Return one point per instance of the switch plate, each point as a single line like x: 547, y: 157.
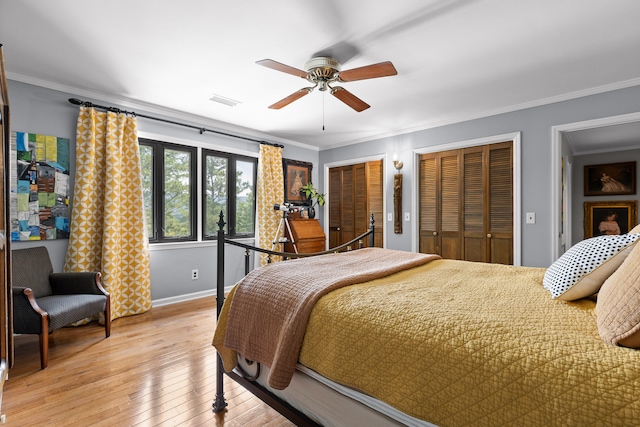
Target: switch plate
x: 407, y: 217
x: 389, y: 216
x: 531, y: 217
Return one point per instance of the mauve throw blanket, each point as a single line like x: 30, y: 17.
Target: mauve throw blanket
x: 270, y: 308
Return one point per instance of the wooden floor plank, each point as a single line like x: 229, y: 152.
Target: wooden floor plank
x: 156, y: 369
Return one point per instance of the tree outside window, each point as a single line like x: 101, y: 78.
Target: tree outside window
x: 234, y: 197
x: 169, y: 190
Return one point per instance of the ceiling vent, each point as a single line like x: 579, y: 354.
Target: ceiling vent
x: 223, y: 100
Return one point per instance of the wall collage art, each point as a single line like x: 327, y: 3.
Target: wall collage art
x: 39, y: 187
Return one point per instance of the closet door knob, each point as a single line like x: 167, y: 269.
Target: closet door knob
x: 435, y: 233
x: 489, y: 235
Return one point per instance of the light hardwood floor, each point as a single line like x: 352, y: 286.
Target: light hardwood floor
x: 156, y: 369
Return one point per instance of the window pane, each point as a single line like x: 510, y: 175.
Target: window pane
x: 146, y: 161
x: 245, y: 197
x: 177, y: 193
x: 215, y: 193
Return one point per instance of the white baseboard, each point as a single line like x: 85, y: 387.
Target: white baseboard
x: 185, y: 297
x: 182, y: 298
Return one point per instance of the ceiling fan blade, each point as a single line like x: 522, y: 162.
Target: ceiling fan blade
x: 381, y: 69
x: 275, y: 65
x: 289, y: 99
x: 348, y: 98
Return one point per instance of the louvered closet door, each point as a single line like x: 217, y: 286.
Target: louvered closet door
x: 450, y: 205
x: 335, y: 206
x: 375, y: 207
x: 335, y: 177
x: 488, y: 203
x: 361, y: 200
x: 440, y: 204
x: 475, y: 245
x: 355, y: 192
x: 342, y: 204
x: 429, y: 240
x: 500, y: 227
x: 466, y: 206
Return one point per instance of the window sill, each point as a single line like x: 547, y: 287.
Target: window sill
x: 193, y: 244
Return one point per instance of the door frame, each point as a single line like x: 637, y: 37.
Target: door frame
x: 350, y: 162
x: 516, y: 139
x: 558, y: 146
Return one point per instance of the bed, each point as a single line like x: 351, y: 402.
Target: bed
x: 411, y: 339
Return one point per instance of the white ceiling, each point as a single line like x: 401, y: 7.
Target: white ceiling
x: 456, y: 59
x: 619, y: 137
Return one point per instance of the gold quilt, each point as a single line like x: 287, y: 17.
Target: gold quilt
x: 459, y: 343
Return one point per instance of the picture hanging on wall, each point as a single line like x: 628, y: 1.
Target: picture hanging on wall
x: 607, y: 218
x: 610, y: 179
x: 296, y: 174
x: 39, y: 187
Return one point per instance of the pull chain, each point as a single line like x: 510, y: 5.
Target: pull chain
x: 323, y: 110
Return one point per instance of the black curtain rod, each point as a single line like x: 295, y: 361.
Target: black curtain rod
x: 202, y: 130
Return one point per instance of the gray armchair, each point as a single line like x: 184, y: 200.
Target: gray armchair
x: 44, y: 301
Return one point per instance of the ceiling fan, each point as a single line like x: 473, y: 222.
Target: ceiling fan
x: 323, y: 71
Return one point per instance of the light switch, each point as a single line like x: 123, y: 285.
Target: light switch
x: 389, y: 216
x: 531, y: 217
x: 406, y: 216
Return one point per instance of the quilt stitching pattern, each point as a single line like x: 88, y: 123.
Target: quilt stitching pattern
x: 487, y: 349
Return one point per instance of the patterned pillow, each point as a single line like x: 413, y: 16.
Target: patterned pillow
x: 582, y: 270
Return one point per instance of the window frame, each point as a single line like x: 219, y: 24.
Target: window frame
x: 158, y: 189
x: 230, y: 214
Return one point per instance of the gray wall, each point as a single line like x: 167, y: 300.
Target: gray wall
x: 40, y: 110
x: 535, y: 126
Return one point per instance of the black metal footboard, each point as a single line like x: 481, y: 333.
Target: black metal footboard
x: 284, y: 408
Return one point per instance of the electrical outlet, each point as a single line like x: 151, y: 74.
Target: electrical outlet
x: 531, y: 217
x: 194, y: 274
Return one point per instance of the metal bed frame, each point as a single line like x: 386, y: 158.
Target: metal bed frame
x: 248, y: 381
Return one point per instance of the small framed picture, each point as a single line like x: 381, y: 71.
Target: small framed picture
x: 610, y: 179
x: 296, y: 174
x: 604, y: 218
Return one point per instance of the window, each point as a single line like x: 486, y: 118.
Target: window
x: 169, y: 189
x: 229, y: 183
x: 170, y: 192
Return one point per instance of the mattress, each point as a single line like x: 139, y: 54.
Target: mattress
x: 333, y: 405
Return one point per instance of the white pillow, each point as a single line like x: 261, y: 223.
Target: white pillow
x: 582, y: 270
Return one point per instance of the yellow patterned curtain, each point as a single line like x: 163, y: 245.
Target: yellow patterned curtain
x: 107, y: 231
x: 270, y: 192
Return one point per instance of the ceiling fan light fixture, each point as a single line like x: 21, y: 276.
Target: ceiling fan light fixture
x: 322, y: 62
x: 322, y: 68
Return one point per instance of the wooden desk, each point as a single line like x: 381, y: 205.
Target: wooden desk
x: 307, y: 236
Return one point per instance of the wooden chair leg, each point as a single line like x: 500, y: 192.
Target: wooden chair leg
x: 44, y: 349
x: 107, y: 317
x: 44, y: 342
